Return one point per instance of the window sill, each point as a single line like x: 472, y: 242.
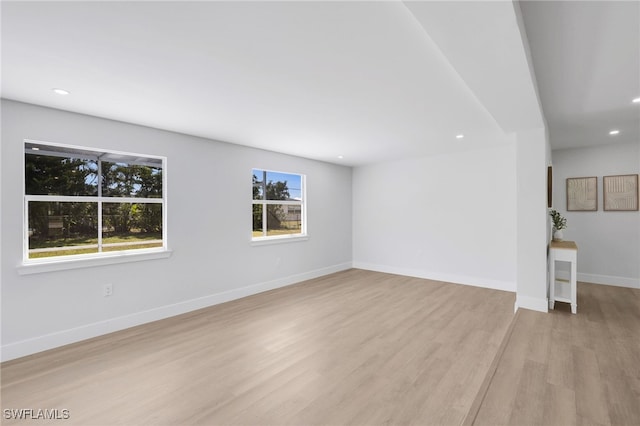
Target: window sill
x: 265, y: 241
x: 49, y: 265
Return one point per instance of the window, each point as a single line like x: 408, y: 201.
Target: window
x: 82, y: 202
x: 278, y: 205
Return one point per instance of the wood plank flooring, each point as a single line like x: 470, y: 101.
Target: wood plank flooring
x: 356, y: 347
x: 564, y: 369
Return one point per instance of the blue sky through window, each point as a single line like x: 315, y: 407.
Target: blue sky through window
x: 294, y: 182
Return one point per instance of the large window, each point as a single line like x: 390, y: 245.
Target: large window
x: 278, y: 205
x: 82, y: 202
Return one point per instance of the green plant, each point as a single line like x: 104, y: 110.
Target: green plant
x: 559, y: 222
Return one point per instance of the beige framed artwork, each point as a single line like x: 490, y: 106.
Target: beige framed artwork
x: 582, y: 194
x: 620, y: 192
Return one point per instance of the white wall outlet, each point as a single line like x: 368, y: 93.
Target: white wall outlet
x: 107, y: 290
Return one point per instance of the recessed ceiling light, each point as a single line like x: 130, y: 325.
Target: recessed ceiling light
x: 636, y: 101
x: 460, y: 136
x: 341, y: 156
x: 35, y: 148
x: 60, y: 91
x: 614, y: 132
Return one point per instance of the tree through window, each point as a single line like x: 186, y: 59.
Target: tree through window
x: 278, y: 204
x: 80, y: 201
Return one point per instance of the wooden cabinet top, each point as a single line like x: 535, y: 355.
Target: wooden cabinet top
x: 567, y: 245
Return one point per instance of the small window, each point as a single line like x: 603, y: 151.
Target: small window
x: 83, y: 202
x: 278, y: 205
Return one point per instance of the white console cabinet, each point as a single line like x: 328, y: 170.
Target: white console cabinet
x: 562, y: 290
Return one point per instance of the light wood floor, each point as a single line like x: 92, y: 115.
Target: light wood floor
x: 355, y: 347
x: 564, y: 369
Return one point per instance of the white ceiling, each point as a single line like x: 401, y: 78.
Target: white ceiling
x: 317, y: 79
x: 370, y: 81
x: 586, y: 56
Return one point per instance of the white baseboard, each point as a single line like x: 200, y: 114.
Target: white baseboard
x: 437, y: 276
x: 603, y: 279
x: 531, y: 303
x: 64, y: 337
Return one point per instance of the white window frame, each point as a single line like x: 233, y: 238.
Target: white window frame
x: 270, y: 239
x: 91, y: 259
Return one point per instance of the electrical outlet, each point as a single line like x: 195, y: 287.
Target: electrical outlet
x: 107, y: 290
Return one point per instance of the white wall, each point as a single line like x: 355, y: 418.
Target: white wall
x: 448, y: 217
x: 209, y: 229
x: 608, y: 242
x: 532, y: 156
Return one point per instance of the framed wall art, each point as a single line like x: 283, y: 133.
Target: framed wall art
x: 620, y: 192
x: 582, y: 194
x: 549, y: 187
